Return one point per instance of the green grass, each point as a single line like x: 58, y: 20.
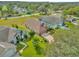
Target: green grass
x: 17, y: 21
x: 30, y: 50
x: 66, y: 42
x: 19, y: 47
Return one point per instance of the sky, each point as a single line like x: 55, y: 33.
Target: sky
x: 45, y: 0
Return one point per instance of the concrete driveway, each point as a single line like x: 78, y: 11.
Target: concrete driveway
x: 48, y: 37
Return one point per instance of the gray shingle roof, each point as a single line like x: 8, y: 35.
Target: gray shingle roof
x: 5, y: 33
x: 52, y: 19
x: 4, y: 46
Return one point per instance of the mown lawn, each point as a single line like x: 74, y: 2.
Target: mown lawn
x: 18, y: 21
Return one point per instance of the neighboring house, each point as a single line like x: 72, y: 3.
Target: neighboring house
x: 7, y: 49
x: 72, y: 20
x: 9, y: 34
x: 52, y: 21
x: 7, y: 41
x: 20, y: 10
x: 36, y: 26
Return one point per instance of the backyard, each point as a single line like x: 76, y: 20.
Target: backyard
x: 66, y: 41
x: 30, y: 50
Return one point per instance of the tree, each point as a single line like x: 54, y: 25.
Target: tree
x: 10, y: 10
x: 72, y: 11
x: 43, y: 10
x: 31, y: 33
x: 0, y: 11
x: 4, y: 11
x: 36, y: 45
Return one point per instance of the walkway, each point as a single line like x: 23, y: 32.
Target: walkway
x: 22, y: 43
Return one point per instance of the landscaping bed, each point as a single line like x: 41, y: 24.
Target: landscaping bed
x: 31, y: 51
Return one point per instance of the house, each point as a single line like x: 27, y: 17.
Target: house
x: 19, y: 10
x: 7, y: 49
x: 72, y: 20
x: 52, y: 21
x: 36, y: 26
x: 8, y: 41
x: 9, y: 34
x: 39, y: 28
